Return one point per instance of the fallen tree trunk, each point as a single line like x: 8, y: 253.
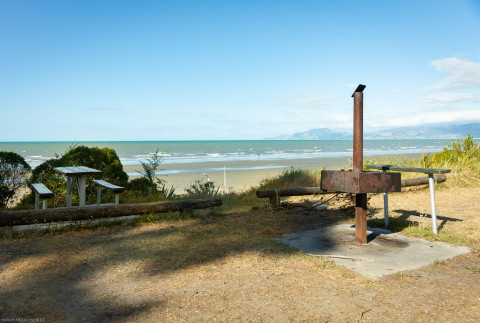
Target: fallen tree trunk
x: 299, y: 191
x: 296, y: 191
x: 423, y: 180
x: 9, y: 218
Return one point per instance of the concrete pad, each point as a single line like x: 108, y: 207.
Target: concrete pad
x: 385, y: 253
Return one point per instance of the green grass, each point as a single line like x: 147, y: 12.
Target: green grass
x: 293, y: 177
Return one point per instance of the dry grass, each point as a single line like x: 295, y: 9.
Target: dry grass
x: 227, y: 264
x: 231, y: 267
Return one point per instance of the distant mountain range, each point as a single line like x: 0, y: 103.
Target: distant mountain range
x: 421, y: 132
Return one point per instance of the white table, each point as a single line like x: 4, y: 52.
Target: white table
x: 79, y: 174
x: 431, y: 184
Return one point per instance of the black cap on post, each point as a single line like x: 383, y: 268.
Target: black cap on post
x: 360, y: 88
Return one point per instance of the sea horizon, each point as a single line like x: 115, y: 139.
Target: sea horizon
x: 224, y: 151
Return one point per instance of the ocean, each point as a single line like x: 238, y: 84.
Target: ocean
x: 192, y: 152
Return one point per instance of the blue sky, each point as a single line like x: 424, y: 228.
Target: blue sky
x: 221, y: 70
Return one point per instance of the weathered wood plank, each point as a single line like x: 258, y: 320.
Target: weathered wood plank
x: 10, y: 218
x: 423, y: 180
x: 77, y: 170
x: 110, y: 186
x: 42, y: 190
x: 296, y: 191
x: 299, y: 191
x: 409, y: 169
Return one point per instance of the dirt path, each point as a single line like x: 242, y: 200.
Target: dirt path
x: 230, y: 269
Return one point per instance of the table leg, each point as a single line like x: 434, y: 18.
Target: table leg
x: 99, y: 195
x: 431, y: 185
x: 385, y: 208
x: 81, y: 190
x: 70, y: 181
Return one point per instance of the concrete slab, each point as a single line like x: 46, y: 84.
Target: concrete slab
x: 386, y: 252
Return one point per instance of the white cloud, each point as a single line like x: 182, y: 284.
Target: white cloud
x: 397, y: 90
x: 423, y: 118
x: 313, y: 101
x: 464, y: 74
x: 449, y: 98
x: 351, y: 85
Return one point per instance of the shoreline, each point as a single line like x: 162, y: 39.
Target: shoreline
x: 242, y: 175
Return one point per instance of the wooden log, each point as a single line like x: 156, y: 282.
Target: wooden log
x: 423, y: 180
x: 299, y: 191
x: 409, y: 169
x: 296, y: 191
x: 9, y: 218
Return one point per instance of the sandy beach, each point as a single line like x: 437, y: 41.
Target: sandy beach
x: 239, y: 175
x: 242, y: 175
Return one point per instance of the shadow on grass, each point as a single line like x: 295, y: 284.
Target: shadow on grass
x: 401, y: 222
x: 62, y: 270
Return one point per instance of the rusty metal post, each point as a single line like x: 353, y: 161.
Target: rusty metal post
x: 360, y: 199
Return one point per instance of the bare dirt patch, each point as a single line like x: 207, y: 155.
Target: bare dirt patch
x: 231, y: 268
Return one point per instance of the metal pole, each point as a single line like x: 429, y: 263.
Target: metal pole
x: 385, y: 209
x: 357, y: 131
x: 360, y: 199
x: 431, y: 185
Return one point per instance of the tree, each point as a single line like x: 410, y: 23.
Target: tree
x: 103, y: 159
x: 13, y: 172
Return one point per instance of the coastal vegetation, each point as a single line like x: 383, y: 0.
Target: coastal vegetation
x: 223, y: 256
x: 13, y: 168
x: 462, y: 156
x: 104, y: 159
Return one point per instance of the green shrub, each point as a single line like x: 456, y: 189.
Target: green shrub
x: 13, y: 171
x: 150, y: 183
x: 103, y: 159
x: 293, y: 177
x: 201, y: 188
x: 462, y: 156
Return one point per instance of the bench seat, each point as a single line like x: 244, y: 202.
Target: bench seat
x: 114, y: 188
x: 41, y: 192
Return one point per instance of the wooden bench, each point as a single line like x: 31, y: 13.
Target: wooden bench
x: 431, y: 183
x: 41, y: 192
x: 114, y: 188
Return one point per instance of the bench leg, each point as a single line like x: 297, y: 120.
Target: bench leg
x: 431, y: 185
x: 45, y: 203
x: 385, y: 208
x: 99, y: 195
x: 117, y: 198
x: 37, y: 198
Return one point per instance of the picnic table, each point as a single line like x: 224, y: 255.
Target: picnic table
x: 431, y: 184
x: 76, y: 174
